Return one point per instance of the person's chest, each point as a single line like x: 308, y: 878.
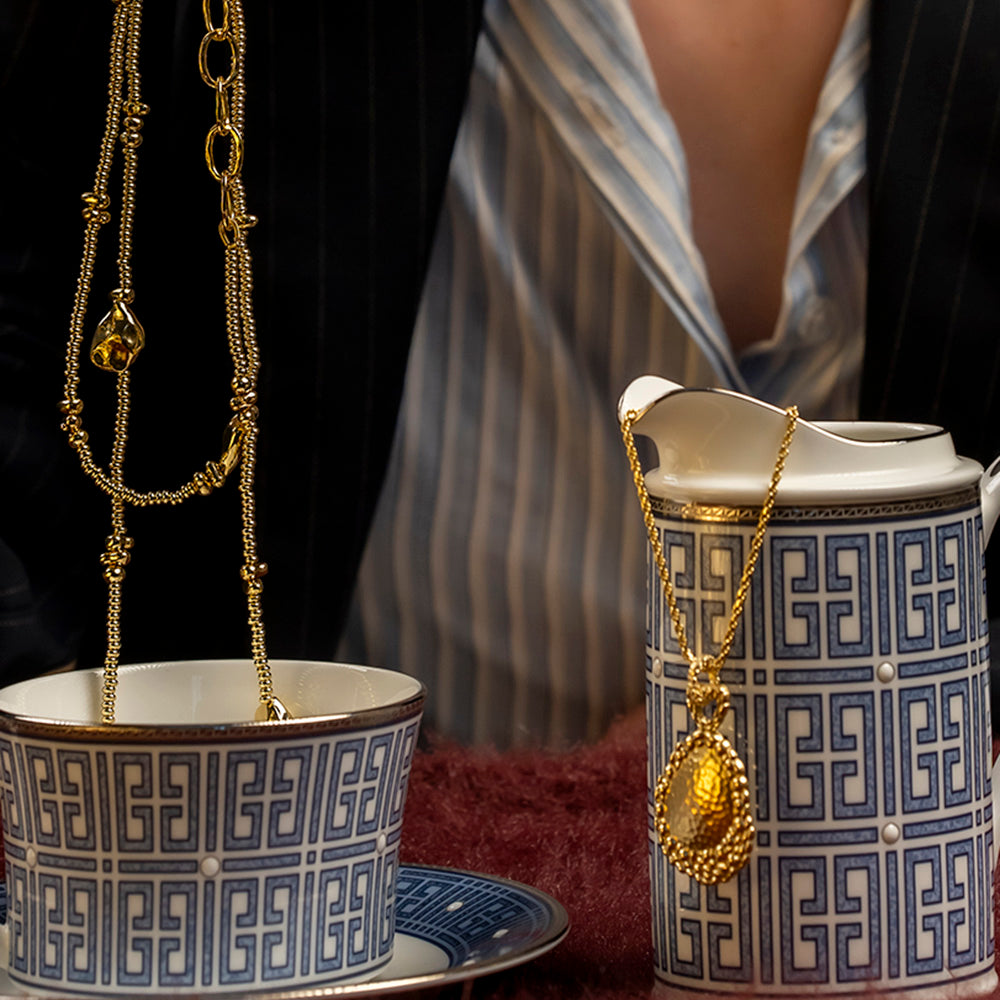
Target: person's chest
x: 741, y: 79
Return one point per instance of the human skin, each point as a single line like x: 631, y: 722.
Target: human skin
x: 741, y: 80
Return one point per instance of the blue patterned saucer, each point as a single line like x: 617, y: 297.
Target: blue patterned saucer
x: 451, y: 925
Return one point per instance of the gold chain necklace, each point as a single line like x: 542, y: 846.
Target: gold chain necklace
x: 120, y: 336
x: 702, y: 798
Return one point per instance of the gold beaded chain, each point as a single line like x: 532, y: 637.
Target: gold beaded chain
x: 120, y: 336
x: 702, y: 815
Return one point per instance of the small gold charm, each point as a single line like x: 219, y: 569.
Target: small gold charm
x: 703, y: 819
x: 232, y: 447
x: 272, y: 711
x: 118, y: 339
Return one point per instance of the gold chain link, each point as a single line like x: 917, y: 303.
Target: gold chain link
x: 792, y: 416
x: 120, y: 337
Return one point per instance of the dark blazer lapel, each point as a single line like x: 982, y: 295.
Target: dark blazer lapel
x: 933, y: 351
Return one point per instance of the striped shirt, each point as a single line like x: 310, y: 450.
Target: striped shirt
x: 506, y: 564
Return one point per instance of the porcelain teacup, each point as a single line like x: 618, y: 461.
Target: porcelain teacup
x: 187, y: 850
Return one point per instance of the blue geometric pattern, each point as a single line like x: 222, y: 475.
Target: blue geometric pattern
x: 205, y: 867
x: 861, y: 707
x: 465, y: 914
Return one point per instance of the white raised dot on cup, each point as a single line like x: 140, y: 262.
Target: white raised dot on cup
x: 210, y: 867
x: 886, y: 672
x: 31, y: 857
x: 657, y: 668
x: 500, y: 933
x: 380, y: 843
x: 452, y: 907
x: 890, y: 833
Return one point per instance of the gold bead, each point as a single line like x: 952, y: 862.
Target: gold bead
x: 92, y: 213
x: 118, y: 340
x: 243, y: 399
x: 253, y: 572
x: 251, y: 576
x: 93, y: 200
x: 117, y: 555
x: 214, y: 475
x: 78, y: 438
x: 131, y: 140
x: 95, y: 206
x: 71, y: 406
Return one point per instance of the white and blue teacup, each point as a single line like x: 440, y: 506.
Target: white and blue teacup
x: 186, y: 850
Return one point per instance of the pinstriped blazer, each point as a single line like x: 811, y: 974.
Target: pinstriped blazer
x: 933, y: 324
x: 349, y: 134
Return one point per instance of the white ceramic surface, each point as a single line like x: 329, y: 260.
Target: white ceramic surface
x: 208, y: 692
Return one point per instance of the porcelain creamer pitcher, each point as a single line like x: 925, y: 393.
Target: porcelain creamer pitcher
x: 859, y: 692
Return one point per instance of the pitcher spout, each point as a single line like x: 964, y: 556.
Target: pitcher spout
x: 643, y: 392
x: 989, y: 492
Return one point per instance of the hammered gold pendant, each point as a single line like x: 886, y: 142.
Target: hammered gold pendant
x: 703, y: 815
x: 118, y: 339
x: 702, y: 798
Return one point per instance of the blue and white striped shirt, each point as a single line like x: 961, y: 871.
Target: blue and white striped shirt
x: 506, y: 565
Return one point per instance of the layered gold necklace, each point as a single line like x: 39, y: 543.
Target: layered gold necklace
x: 120, y: 337
x: 702, y: 800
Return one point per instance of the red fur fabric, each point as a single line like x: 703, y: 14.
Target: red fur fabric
x: 572, y: 824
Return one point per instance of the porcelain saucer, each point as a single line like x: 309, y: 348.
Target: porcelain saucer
x: 451, y: 925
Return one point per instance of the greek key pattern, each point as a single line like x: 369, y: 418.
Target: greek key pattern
x: 465, y: 915
x: 203, y: 867
x: 832, y: 596
x: 860, y: 694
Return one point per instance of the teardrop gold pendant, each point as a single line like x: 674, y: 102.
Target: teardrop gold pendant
x: 702, y: 798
